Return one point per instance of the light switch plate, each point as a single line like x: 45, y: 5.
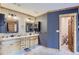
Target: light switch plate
x: 57, y: 31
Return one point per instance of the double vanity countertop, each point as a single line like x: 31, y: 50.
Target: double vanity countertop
x: 18, y: 37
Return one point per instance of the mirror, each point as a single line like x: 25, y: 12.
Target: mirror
x: 12, y: 26
x: 29, y: 27
x: 35, y: 28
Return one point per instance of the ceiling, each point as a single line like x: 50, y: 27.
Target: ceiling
x: 36, y: 9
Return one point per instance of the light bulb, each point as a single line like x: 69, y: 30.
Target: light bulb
x: 15, y: 18
x: 9, y: 16
x: 28, y: 20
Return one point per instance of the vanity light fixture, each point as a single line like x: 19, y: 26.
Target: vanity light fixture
x: 29, y: 20
x: 9, y: 16
x: 13, y: 16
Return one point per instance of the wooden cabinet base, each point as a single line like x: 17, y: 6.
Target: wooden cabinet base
x: 12, y: 46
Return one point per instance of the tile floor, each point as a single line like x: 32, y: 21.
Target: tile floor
x: 41, y: 50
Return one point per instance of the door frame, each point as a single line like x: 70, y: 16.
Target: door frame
x: 75, y: 38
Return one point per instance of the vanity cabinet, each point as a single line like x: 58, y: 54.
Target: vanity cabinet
x: 25, y: 43
x: 33, y: 41
x: 10, y: 47
x: 29, y: 42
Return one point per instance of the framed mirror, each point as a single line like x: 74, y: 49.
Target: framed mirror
x: 29, y: 27
x: 12, y: 26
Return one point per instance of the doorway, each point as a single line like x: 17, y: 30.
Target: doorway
x: 67, y: 34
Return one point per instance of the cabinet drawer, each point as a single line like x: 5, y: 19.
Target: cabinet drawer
x: 8, y: 42
x: 10, y: 47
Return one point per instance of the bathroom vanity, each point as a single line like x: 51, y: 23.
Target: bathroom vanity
x: 12, y: 22
x: 11, y: 45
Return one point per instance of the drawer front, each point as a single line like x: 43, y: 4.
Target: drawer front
x: 11, y: 46
x: 9, y: 42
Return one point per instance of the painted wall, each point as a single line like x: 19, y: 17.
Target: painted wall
x: 21, y: 20
x: 43, y: 34
x: 78, y: 31
x: 43, y: 20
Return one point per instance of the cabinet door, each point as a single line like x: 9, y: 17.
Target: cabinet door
x: 27, y: 42
x: 33, y: 41
x: 23, y: 42
x: 36, y: 40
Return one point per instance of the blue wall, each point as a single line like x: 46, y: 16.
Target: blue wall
x: 2, y: 23
x: 53, y: 25
x: 78, y: 32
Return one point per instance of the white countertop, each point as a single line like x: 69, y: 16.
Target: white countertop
x: 17, y: 37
